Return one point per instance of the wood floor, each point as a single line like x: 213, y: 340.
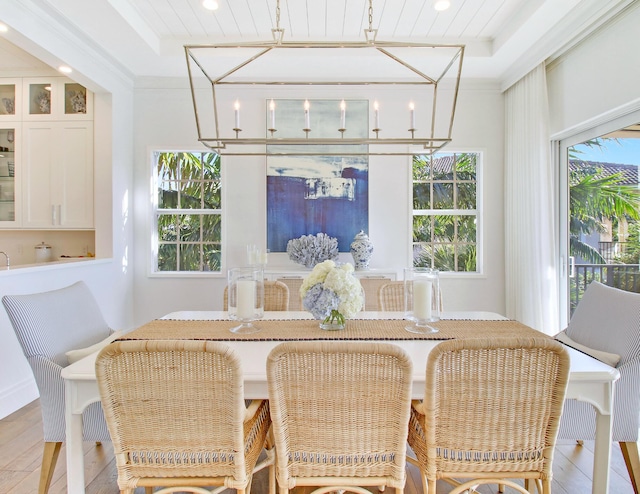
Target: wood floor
x: 21, y: 452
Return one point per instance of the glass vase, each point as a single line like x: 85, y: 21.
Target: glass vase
x: 246, y: 298
x: 333, y: 322
x: 421, y: 299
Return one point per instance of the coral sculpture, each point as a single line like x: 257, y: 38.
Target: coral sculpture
x: 309, y: 250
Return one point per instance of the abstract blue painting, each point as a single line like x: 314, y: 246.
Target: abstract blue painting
x: 322, y: 190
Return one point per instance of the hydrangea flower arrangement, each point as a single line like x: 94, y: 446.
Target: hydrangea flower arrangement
x: 332, y: 292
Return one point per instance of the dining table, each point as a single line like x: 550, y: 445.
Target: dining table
x: 590, y: 380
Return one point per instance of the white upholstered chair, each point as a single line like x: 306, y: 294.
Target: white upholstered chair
x: 607, y: 320
x: 48, y: 325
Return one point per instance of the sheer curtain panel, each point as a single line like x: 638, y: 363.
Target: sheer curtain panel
x: 530, y: 230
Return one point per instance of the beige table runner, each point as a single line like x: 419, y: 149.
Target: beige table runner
x: 299, y: 329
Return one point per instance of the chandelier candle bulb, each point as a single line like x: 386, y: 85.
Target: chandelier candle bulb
x: 343, y: 117
x: 376, y: 117
x: 422, y: 294
x: 246, y: 292
x: 307, y: 124
x: 237, y: 112
x: 272, y: 114
x: 412, y: 116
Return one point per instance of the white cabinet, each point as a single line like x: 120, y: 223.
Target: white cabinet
x: 371, y: 280
x: 57, y: 175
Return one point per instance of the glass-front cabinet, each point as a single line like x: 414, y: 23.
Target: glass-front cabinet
x: 8, y: 142
x: 10, y: 101
x: 56, y: 98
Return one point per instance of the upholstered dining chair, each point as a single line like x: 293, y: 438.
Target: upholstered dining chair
x: 276, y: 296
x: 340, y: 414
x: 391, y: 296
x: 49, y: 325
x: 490, y: 413
x: 606, y: 325
x: 176, y: 413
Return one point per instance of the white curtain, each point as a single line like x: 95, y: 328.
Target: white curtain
x: 530, y: 230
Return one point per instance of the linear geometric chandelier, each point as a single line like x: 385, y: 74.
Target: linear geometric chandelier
x: 413, y: 83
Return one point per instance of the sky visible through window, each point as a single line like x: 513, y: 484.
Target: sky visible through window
x: 619, y: 151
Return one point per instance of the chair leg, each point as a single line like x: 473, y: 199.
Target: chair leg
x: 632, y: 460
x: 49, y: 459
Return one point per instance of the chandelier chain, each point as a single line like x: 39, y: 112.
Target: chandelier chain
x: 370, y: 15
x: 278, y: 15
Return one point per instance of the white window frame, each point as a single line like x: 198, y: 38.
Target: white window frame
x: 153, y: 272
x: 477, y: 212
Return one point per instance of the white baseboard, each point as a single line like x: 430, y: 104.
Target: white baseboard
x: 17, y: 396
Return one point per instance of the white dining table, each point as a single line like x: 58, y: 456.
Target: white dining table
x: 590, y: 381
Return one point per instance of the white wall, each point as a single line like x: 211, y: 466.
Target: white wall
x: 164, y: 118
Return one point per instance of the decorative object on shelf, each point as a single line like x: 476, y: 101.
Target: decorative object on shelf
x: 78, y: 100
x: 361, y: 250
x: 310, y: 250
x: 43, y: 100
x: 12, y: 168
x: 246, y: 298
x: 332, y: 294
x: 11, y: 135
x: 421, y: 299
x: 9, y: 106
x: 420, y: 67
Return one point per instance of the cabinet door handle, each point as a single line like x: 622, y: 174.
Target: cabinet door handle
x: 59, y: 214
x: 53, y: 214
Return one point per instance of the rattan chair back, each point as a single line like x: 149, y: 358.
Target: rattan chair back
x: 491, y: 410
x: 340, y: 414
x: 176, y: 413
x: 276, y: 296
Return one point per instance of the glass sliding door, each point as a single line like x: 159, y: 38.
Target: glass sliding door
x: 600, y: 211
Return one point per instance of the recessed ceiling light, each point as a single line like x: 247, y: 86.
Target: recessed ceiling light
x: 65, y: 70
x: 441, y: 5
x: 210, y: 4
x: 3, y: 28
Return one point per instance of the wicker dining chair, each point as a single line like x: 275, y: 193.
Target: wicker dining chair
x: 340, y: 414
x: 391, y: 297
x: 176, y: 413
x: 491, y: 412
x: 276, y: 296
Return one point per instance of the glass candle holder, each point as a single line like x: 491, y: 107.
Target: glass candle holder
x: 246, y: 298
x: 421, y: 299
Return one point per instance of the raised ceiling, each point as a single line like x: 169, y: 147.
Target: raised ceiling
x: 503, y: 38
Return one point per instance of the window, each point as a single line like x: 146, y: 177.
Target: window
x: 445, y: 213
x: 187, y: 213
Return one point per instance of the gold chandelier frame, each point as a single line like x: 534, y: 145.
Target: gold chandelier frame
x: 234, y: 145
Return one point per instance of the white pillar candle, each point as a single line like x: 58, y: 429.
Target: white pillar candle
x: 376, y: 120
x: 412, y: 116
x: 422, y: 293
x: 237, y: 108
x: 246, y: 298
x: 306, y: 115
x: 343, y: 117
x: 272, y: 115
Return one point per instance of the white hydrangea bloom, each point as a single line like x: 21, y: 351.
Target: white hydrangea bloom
x: 338, y: 280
